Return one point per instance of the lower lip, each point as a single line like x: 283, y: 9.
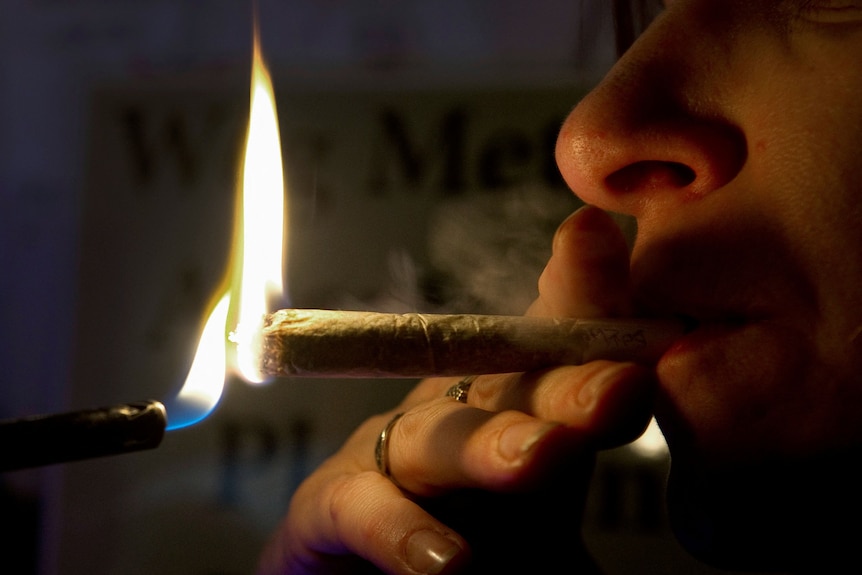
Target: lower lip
x: 694, y: 375
x: 724, y: 355
x: 719, y: 383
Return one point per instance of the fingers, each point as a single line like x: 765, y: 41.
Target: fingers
x: 445, y: 445
x: 608, y: 403
x: 502, y: 437
x: 336, y: 516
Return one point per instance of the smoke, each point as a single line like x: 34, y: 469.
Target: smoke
x: 488, y: 249
x: 485, y: 252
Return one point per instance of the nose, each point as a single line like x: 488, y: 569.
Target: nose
x: 657, y: 130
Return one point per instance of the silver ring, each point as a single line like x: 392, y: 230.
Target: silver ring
x: 381, y: 448
x: 460, y: 389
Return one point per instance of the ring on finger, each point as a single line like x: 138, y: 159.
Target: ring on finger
x: 381, y: 448
x: 459, y: 390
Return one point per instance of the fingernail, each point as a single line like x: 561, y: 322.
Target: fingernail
x: 592, y: 227
x: 429, y: 552
x: 563, y: 228
x: 518, y: 439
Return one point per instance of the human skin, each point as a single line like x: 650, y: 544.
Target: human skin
x: 480, y: 482
x: 731, y: 130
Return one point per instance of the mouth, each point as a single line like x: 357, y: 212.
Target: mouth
x: 693, y: 323
x: 703, y: 330
x: 716, y: 284
x: 700, y: 316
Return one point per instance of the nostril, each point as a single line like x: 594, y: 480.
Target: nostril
x: 650, y: 175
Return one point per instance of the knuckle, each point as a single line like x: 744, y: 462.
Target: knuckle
x: 344, y: 492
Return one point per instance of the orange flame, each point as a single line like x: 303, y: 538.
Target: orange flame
x: 256, y: 265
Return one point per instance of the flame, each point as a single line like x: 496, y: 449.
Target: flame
x: 204, y: 383
x: 230, y: 340
x: 258, y: 277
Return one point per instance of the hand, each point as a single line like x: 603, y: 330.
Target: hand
x: 496, y: 484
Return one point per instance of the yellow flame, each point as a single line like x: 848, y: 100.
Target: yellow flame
x: 256, y: 264
x: 258, y: 277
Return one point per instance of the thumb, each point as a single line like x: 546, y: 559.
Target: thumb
x: 588, y: 272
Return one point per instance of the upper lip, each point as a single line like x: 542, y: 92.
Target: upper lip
x: 690, y: 304
x: 720, y: 267
x: 706, y: 295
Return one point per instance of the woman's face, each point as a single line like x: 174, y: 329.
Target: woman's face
x: 732, y: 131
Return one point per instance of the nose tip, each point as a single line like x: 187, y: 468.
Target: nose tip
x: 617, y: 157
x: 663, y: 126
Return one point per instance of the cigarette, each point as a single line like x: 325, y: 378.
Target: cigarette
x: 58, y: 438
x: 355, y: 344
